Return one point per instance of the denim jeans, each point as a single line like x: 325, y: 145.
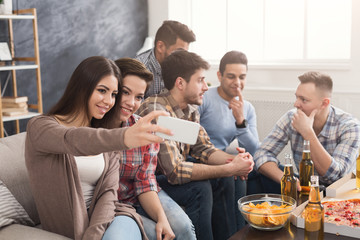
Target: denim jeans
x: 224, y: 217
x: 209, y: 204
x: 178, y: 220
x: 240, y: 191
x: 123, y: 227
x: 254, y: 183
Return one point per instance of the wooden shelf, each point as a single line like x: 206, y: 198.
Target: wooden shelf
x: 32, y: 62
x: 18, y: 67
x: 14, y: 16
x: 25, y: 116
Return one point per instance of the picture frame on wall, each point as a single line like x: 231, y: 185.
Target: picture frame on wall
x: 5, y: 7
x: 5, y: 54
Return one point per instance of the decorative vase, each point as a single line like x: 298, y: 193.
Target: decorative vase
x: 6, y: 7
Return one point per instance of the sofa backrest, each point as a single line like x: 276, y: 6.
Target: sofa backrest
x: 14, y: 174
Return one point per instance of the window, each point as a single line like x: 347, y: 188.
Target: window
x: 269, y: 31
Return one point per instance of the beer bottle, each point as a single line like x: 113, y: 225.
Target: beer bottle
x: 288, y: 180
x: 306, y: 169
x: 314, y: 213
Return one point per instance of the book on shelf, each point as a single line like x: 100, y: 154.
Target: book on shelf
x: 14, y: 99
x: 14, y: 105
x: 10, y: 114
x: 15, y: 109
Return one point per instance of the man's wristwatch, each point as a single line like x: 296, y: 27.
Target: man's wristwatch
x: 242, y: 125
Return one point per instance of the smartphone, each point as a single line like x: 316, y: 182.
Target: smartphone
x: 184, y: 131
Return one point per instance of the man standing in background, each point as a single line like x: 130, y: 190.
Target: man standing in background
x: 170, y: 36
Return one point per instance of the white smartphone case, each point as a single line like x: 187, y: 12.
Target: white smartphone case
x: 184, y: 131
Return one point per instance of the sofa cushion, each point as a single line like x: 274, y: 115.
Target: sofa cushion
x: 14, y: 174
x: 16, y: 231
x: 11, y: 211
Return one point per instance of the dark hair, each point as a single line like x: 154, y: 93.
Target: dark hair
x: 183, y: 64
x: 169, y: 31
x: 231, y: 58
x: 130, y: 66
x: 81, y: 86
x: 322, y: 81
x: 127, y: 66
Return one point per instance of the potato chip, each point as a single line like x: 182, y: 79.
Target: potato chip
x: 256, y: 219
x: 263, y: 214
x: 251, y: 205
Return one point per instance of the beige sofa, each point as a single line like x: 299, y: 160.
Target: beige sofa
x: 14, y: 175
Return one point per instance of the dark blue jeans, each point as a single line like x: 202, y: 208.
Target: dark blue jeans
x: 240, y: 191
x: 225, y: 219
x: 254, y: 183
x: 209, y: 204
x: 271, y: 186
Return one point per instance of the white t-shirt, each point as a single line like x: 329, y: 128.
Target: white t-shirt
x: 90, y: 169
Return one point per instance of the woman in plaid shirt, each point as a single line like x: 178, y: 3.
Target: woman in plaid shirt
x: 163, y: 218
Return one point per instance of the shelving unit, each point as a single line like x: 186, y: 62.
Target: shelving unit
x: 31, y: 63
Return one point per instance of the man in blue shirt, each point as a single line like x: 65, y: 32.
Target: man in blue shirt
x: 227, y: 116
x: 170, y: 36
x: 333, y: 134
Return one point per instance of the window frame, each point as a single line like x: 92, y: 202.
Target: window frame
x: 321, y: 64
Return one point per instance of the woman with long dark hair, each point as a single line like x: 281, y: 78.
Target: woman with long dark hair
x: 73, y: 169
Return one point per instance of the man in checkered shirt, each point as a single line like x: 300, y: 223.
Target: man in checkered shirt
x: 333, y: 135
x: 170, y: 36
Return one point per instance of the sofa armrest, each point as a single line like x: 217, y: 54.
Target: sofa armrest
x: 17, y: 231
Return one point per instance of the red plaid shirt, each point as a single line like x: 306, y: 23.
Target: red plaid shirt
x: 137, y: 170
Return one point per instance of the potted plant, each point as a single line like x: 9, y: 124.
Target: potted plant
x: 5, y: 6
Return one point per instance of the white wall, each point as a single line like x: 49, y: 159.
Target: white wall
x: 270, y: 79
x: 158, y: 12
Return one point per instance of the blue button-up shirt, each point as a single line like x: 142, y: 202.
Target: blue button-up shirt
x: 339, y: 137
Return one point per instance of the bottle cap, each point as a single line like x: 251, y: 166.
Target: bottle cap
x: 306, y: 145
x: 314, y: 180
x: 288, y: 159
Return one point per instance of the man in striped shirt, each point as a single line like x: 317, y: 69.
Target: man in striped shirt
x: 333, y: 134
x: 209, y: 204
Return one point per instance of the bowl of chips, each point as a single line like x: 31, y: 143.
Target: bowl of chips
x: 266, y: 211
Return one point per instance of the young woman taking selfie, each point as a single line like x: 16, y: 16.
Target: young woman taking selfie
x: 73, y: 171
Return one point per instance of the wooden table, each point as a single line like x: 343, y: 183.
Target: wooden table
x: 288, y: 232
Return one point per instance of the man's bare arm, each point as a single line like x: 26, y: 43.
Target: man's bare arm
x: 272, y: 171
